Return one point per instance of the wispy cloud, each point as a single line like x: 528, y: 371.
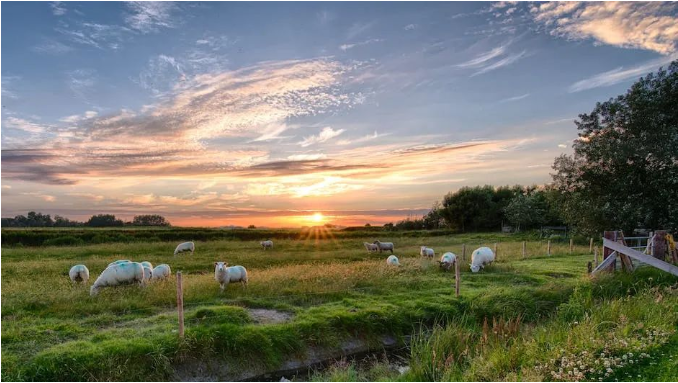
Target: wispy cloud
x: 493, y: 59
x: 483, y: 58
x: 52, y: 47
x: 325, y: 135
x: 58, y: 8
x: 161, y: 74
x: 80, y: 81
x: 345, y: 47
x: 515, y: 98
x: 510, y: 59
x: 150, y: 16
x: 620, y: 74
x: 643, y: 25
x: 358, y: 29
x: 410, y: 27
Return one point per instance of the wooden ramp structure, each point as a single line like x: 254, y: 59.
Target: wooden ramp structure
x: 617, y: 248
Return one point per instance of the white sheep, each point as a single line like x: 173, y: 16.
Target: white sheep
x: 427, y: 252
x: 447, y: 261
x: 119, y: 274
x: 147, y: 264
x: 392, y: 260
x: 225, y: 275
x: 118, y: 262
x: 480, y: 258
x: 161, y: 272
x: 79, y: 273
x: 384, y: 246
x: 186, y: 246
x: 267, y: 244
x: 370, y: 247
x: 148, y: 273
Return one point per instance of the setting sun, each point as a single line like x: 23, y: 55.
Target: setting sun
x: 317, y: 217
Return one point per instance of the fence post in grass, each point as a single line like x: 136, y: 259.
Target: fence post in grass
x: 463, y: 252
x: 457, y: 278
x: 180, y: 304
x: 495, y: 251
x: 591, y: 246
x: 571, y: 245
x: 595, y: 255
x: 548, y: 248
x: 524, y: 252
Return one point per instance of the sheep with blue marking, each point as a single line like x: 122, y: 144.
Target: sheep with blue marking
x: 480, y: 258
x: 119, y: 274
x: 447, y: 261
x: 392, y: 260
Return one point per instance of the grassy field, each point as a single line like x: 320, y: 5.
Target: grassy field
x: 331, y: 290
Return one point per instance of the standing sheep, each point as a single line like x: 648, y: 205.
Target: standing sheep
x: 225, y: 275
x: 186, y: 246
x: 447, y: 261
x: 119, y: 274
x: 370, y: 247
x: 392, y: 260
x: 480, y: 258
x: 161, y: 272
x: 427, y: 252
x: 384, y: 246
x: 79, y: 273
x: 267, y: 244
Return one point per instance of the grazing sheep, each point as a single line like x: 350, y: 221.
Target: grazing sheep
x: 267, y: 244
x: 384, y: 246
x: 186, y: 246
x: 79, y: 273
x: 148, y: 273
x: 370, y: 247
x: 392, y: 260
x: 147, y: 264
x: 161, y: 272
x: 427, y: 252
x: 447, y: 261
x: 225, y: 275
x: 118, y: 262
x: 119, y: 274
x: 480, y: 258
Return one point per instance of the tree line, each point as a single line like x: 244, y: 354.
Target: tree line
x: 33, y: 219
x: 623, y: 173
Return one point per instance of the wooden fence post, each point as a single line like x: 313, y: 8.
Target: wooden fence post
x: 524, y: 252
x: 180, y: 304
x: 591, y: 246
x: 457, y: 278
x: 571, y: 245
x: 595, y: 255
x: 548, y: 248
x: 463, y: 252
x: 495, y: 251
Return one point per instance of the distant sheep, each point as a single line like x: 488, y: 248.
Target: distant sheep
x: 225, y: 275
x: 161, y: 272
x: 267, y: 244
x: 392, y: 260
x: 427, y: 252
x: 119, y: 274
x: 370, y: 247
x: 384, y: 246
x: 186, y: 246
x: 148, y: 273
x: 447, y: 261
x: 79, y: 273
x: 480, y: 258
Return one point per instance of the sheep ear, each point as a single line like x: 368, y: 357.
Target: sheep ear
x: 225, y: 264
x: 215, y: 263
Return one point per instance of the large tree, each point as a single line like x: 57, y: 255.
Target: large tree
x: 150, y: 220
x: 624, y: 170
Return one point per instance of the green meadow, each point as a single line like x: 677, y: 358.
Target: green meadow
x: 512, y: 321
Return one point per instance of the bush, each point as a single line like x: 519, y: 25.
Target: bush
x: 67, y: 240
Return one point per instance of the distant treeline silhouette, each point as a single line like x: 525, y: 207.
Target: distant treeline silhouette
x: 33, y: 219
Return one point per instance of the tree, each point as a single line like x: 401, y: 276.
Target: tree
x: 524, y: 210
x: 624, y: 170
x: 477, y: 208
x: 104, y: 220
x: 251, y: 227
x: 150, y: 220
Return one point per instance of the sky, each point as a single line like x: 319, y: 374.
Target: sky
x: 216, y: 114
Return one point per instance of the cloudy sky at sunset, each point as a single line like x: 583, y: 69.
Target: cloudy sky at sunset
x: 264, y: 113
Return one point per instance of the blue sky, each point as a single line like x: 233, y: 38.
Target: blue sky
x: 218, y: 113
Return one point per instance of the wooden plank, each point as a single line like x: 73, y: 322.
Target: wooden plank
x: 627, y: 265
x: 637, y: 255
x: 605, y: 263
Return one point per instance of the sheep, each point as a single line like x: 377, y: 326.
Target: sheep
x: 447, y: 261
x: 148, y: 273
x: 427, y: 252
x: 384, y: 246
x: 118, y: 274
x: 186, y: 246
x: 79, y: 273
x: 147, y: 264
x: 481, y: 256
x: 370, y: 247
x: 392, y: 260
x: 118, y: 262
x: 225, y: 275
x: 267, y: 244
x: 161, y: 272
